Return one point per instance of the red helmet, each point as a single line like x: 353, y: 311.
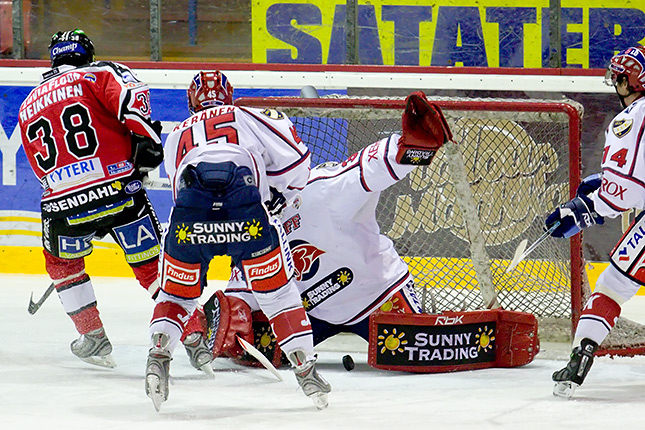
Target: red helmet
x: 209, y: 89
x: 631, y: 63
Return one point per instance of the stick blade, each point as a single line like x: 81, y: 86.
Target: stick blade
x: 260, y: 357
x: 32, y: 308
x: 517, y: 257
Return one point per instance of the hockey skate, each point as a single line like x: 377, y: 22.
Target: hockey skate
x: 94, y: 348
x: 158, y: 370
x: 312, y: 384
x: 199, y: 354
x: 572, y: 376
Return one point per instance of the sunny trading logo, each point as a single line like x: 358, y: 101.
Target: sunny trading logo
x: 202, y: 233
x: 435, y: 346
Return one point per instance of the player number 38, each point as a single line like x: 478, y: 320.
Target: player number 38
x: 80, y: 136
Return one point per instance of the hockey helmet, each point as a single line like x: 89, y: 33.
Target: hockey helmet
x: 209, y: 89
x: 71, y: 47
x: 631, y: 63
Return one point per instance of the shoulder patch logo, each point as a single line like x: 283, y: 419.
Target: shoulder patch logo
x: 272, y: 113
x: 90, y: 77
x: 621, y: 127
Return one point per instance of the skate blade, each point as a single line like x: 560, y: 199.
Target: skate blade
x: 152, y: 390
x: 207, y: 369
x: 320, y: 400
x: 102, y: 361
x: 564, y: 389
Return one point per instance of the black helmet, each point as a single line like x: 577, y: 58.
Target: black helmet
x: 71, y: 47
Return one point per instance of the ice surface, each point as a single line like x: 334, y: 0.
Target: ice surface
x: 42, y: 385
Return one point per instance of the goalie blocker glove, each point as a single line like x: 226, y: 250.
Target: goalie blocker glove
x: 573, y: 216
x: 424, y: 131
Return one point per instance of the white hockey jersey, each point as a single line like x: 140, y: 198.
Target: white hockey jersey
x: 263, y: 140
x: 623, y: 163
x: 345, y: 269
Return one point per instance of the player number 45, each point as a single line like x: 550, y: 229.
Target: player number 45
x: 619, y: 157
x: 214, y: 129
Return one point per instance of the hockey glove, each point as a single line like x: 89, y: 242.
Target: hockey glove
x: 573, y: 215
x: 277, y: 204
x: 146, y: 153
x: 589, y: 184
x: 424, y: 131
x: 157, y: 127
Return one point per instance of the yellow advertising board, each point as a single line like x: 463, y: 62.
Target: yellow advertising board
x: 474, y: 33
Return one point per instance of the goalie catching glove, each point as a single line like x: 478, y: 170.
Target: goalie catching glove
x: 424, y: 131
x: 579, y: 212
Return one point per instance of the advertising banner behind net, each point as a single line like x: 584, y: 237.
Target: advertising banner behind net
x: 475, y: 33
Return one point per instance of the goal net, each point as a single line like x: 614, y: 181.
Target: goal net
x: 458, y: 222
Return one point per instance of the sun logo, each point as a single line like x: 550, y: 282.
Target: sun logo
x: 392, y: 342
x: 182, y: 233
x: 344, y: 277
x: 264, y: 339
x: 254, y: 229
x: 306, y: 303
x: 485, y: 339
x: 391, y: 305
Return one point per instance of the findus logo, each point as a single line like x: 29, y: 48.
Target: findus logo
x: 435, y: 345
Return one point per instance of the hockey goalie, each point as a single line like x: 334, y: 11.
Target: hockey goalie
x: 352, y: 280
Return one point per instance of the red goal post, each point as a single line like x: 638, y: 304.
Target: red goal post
x: 458, y: 221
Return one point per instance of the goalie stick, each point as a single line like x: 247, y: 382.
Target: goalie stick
x: 259, y: 356
x: 521, y: 253
x: 33, y: 307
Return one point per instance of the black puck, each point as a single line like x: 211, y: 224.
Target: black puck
x: 348, y: 362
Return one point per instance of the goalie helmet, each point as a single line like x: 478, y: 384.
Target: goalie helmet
x: 209, y: 89
x: 71, y: 47
x: 631, y: 63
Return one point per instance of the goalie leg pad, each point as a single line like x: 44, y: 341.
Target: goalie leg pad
x: 226, y: 318
x: 452, y: 341
x: 265, y: 342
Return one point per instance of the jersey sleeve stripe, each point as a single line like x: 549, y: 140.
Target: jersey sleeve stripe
x: 624, y: 176
x: 273, y: 130
x: 362, y: 174
x: 610, y: 204
x: 396, y: 286
x: 386, y: 159
x: 290, y: 167
x: 322, y: 178
x: 639, y: 140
